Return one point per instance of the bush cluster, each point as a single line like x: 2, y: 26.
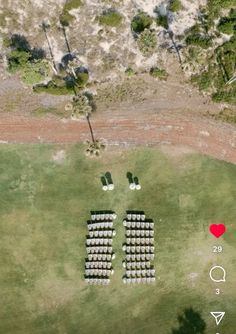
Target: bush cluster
x: 29, y: 63
x: 66, y: 17
x: 147, y: 42
x: 141, y: 22
x: 219, y: 73
x: 63, y: 85
x: 110, y: 18
x: 175, y: 5
x: 162, y: 20
x: 52, y: 88
x: 199, y: 39
x: 227, y: 25
x: 157, y: 72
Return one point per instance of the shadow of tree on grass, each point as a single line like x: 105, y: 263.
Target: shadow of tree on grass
x: 190, y: 322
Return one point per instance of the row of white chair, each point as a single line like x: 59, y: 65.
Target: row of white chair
x: 139, y: 280
x: 99, y: 250
x: 99, y: 272
x: 98, y: 265
x: 138, y: 225
x: 97, y: 281
x: 95, y: 226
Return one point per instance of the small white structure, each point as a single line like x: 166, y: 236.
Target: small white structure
x: 132, y: 186
x: 110, y: 186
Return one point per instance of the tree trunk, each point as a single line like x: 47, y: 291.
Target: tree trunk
x: 66, y: 39
x: 171, y: 35
x: 50, y: 49
x: 90, y: 128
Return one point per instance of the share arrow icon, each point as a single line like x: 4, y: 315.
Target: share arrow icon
x: 218, y: 316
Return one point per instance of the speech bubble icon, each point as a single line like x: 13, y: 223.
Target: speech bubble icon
x: 215, y: 271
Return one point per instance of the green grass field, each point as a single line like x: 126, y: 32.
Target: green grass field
x: 44, y: 206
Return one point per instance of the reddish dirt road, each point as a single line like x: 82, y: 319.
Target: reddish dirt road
x: 207, y: 137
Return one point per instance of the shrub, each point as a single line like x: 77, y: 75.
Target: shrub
x: 6, y: 41
x: 28, y: 63
x: 226, y: 115
x: 64, y: 85
x: 156, y: 72
x: 72, y: 4
x: 227, y: 26
x: 162, y: 20
x: 217, y: 69
x: 232, y: 13
x: 30, y: 72
x: 225, y: 96
x: 203, y: 80
x: 195, y: 29
x: 129, y: 71
x: 66, y: 17
x: 141, y: 22
x: 175, y: 5
x: 226, y: 58
x: 17, y: 59
x: 199, y: 40
x: 214, y: 8
x: 43, y: 111
x: 147, y: 42
x: 111, y: 18
x: 34, y: 72
x: 82, y: 78
x: 53, y: 89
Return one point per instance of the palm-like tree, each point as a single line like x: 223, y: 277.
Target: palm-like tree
x: 81, y: 107
x: 164, y: 22
x: 63, y: 26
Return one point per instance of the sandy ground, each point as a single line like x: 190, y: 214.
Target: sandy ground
x: 105, y: 51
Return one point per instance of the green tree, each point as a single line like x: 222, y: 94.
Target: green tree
x: 190, y: 322
x: 17, y: 59
x: 95, y: 148
x: 80, y: 107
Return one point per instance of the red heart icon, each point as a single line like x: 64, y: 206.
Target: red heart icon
x: 217, y: 230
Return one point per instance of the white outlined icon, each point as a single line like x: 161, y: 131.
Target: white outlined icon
x: 214, y: 270
x: 218, y: 317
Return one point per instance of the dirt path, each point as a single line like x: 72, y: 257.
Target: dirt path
x: 169, y: 112
x: 207, y: 137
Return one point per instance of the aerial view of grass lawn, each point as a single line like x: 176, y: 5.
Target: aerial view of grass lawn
x: 47, y: 194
